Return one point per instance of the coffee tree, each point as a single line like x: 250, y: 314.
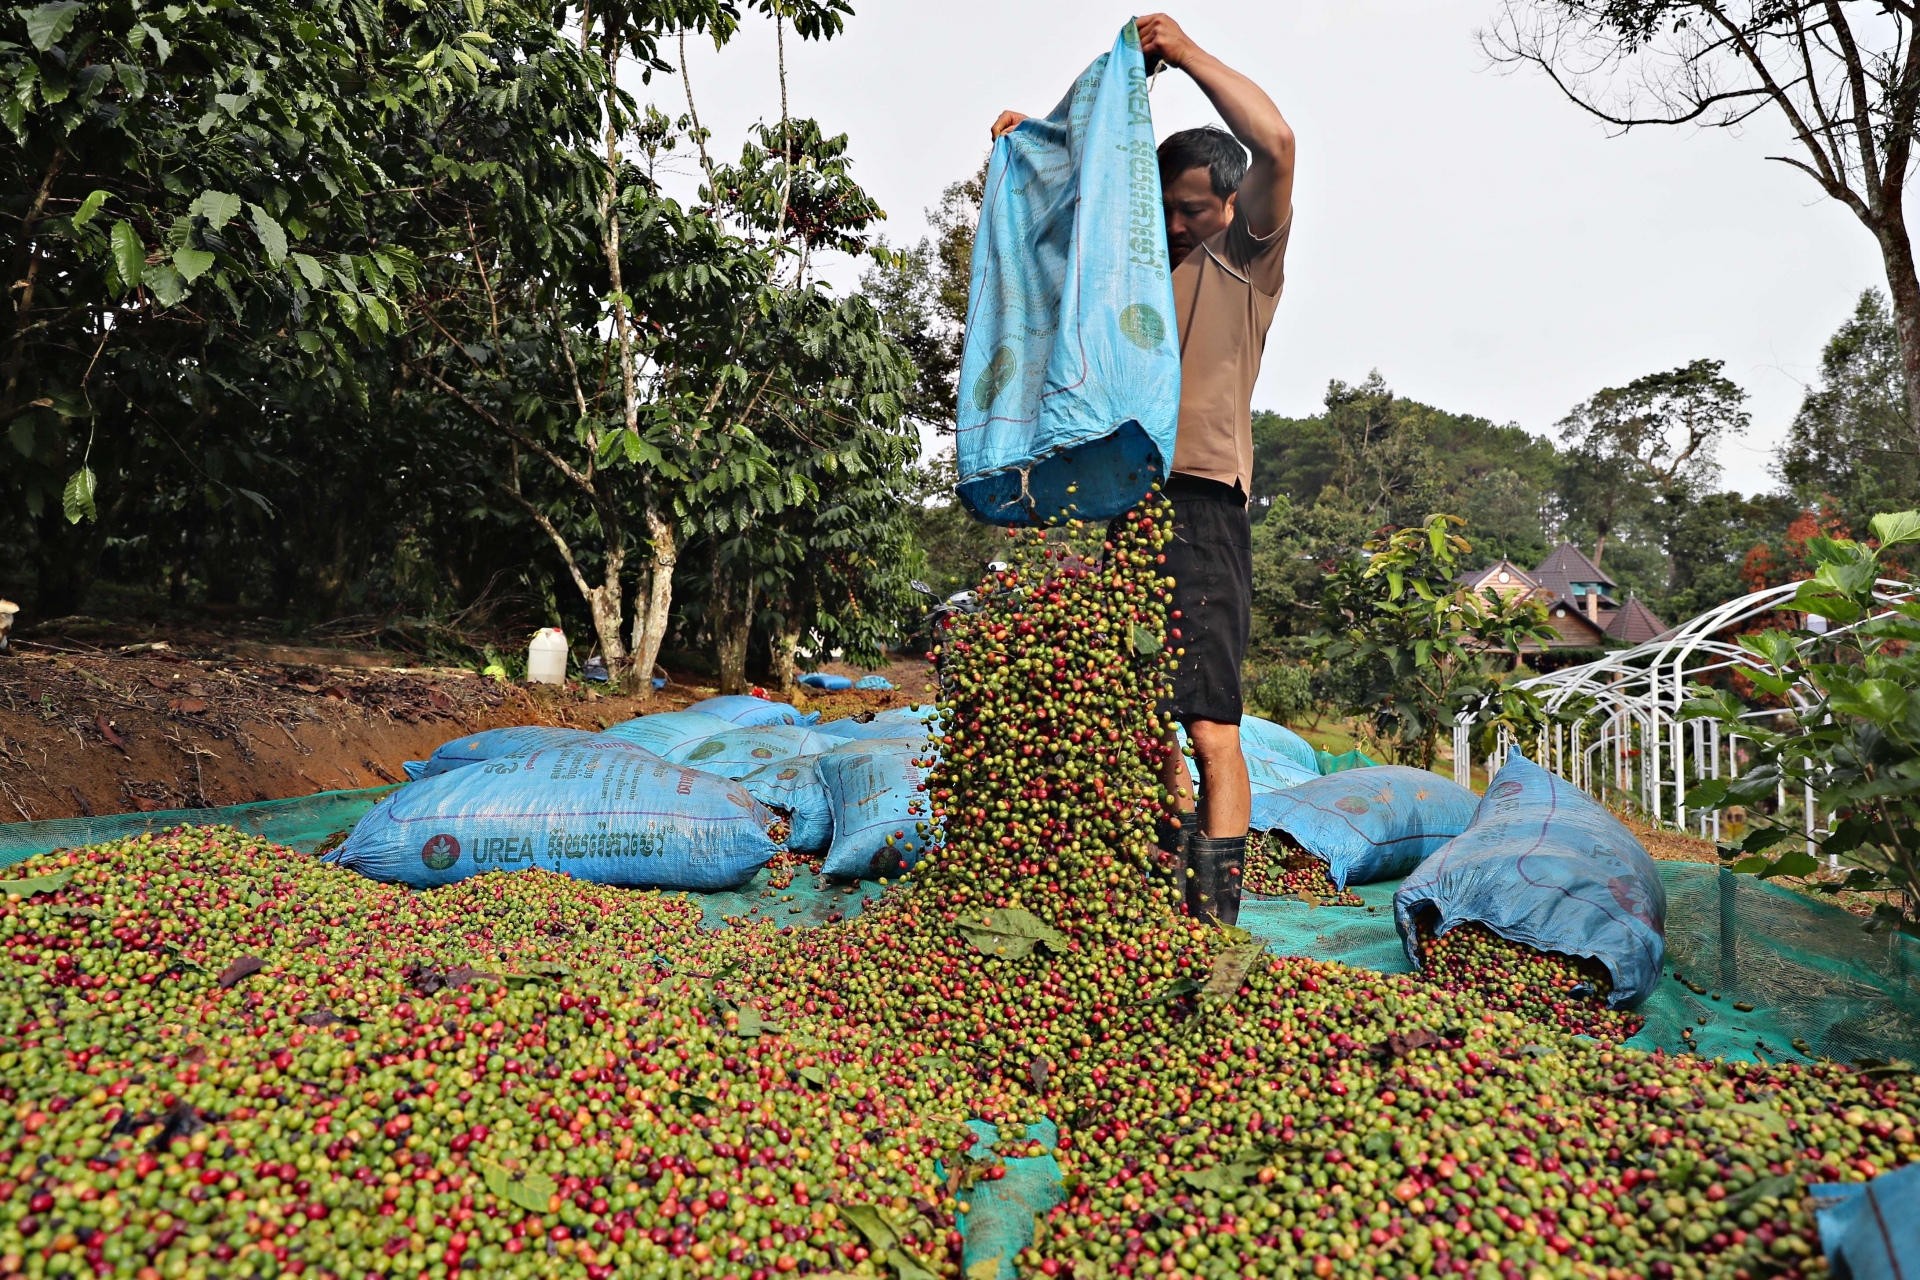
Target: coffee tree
x: 1415, y: 647
x: 1853, y: 737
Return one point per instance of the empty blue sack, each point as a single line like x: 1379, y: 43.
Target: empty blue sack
x: 1069, y: 387
x: 1544, y: 864
x: 596, y: 811
x: 743, y: 708
x: 1368, y: 824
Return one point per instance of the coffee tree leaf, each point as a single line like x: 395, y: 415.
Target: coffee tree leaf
x: 31, y: 885
x: 76, y: 499
x: 1011, y: 932
x: 1230, y: 970
x: 872, y: 1222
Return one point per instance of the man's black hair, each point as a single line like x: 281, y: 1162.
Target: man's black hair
x: 1209, y: 147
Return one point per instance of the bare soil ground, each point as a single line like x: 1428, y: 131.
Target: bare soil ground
x: 107, y: 723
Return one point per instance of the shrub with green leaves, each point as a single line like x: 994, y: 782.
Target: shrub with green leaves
x: 1853, y: 735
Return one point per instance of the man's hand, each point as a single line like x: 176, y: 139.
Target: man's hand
x: 1162, y: 40
x: 1007, y: 120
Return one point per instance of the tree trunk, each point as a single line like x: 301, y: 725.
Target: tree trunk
x: 786, y: 671
x: 732, y: 626
x: 651, y: 615
x: 1903, y: 289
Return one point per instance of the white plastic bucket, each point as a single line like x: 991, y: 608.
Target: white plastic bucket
x: 547, y: 657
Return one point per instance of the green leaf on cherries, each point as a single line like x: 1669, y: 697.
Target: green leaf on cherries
x: 36, y: 884
x: 1011, y: 932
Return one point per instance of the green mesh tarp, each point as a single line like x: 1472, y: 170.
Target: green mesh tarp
x: 302, y: 824
x: 810, y: 901
x: 1330, y: 763
x: 1807, y: 968
x: 999, y: 1220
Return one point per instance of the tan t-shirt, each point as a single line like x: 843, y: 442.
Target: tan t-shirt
x: 1224, y: 296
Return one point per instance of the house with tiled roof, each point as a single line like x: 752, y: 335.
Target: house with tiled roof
x: 1579, y: 596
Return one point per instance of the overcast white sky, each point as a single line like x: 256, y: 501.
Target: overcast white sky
x: 1469, y: 233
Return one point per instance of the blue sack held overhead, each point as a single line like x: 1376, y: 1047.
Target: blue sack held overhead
x: 491, y: 744
x: 745, y: 709
x: 878, y: 792
x: 1368, y: 824
x: 1277, y: 739
x: 738, y: 752
x: 1544, y: 864
x: 665, y: 732
x: 793, y: 786
x: 1871, y: 1230
x: 1069, y: 387
x: 598, y: 811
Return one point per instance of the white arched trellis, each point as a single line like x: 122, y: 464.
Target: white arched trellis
x: 1629, y: 746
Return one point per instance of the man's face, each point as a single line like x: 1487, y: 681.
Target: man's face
x: 1194, y: 212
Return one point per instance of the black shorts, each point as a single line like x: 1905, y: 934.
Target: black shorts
x: 1211, y: 562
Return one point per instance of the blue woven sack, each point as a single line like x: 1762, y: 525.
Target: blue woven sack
x: 738, y: 752
x: 665, y: 732
x: 1368, y: 824
x: 477, y: 748
x: 878, y: 794
x: 1871, y: 1230
x: 596, y: 811
x: 742, y: 708
x: 1069, y: 388
x: 1277, y: 739
x: 1544, y: 864
x: 1266, y: 770
x: 888, y: 724
x: 826, y: 681
x: 793, y: 787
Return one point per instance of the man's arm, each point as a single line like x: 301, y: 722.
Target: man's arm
x: 1266, y: 194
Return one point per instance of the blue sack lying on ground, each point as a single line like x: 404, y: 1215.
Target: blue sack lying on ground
x: 741, y: 708
x: 595, y: 811
x: 793, y: 786
x: 898, y: 722
x: 738, y: 752
x: 1871, y: 1230
x: 1544, y: 864
x: 1266, y: 770
x: 1069, y: 387
x: 476, y: 748
x: 873, y: 682
x: 878, y: 794
x: 666, y: 732
x: 1277, y: 739
x: 826, y: 681
x: 1368, y: 824
x: 1273, y: 771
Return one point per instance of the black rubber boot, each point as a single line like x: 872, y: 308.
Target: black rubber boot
x: 1172, y: 836
x: 1215, y: 864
